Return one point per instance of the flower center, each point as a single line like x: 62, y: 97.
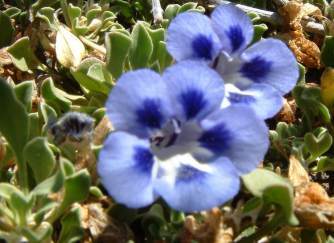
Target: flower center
x: 167, y: 136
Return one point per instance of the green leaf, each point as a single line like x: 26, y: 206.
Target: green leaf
x: 42, y: 234
x: 330, y: 239
x: 14, y: 125
x: 7, y: 30
x: 327, y: 51
x: 71, y: 231
x: 47, y: 14
x: 177, y: 217
x: 74, y: 14
x: 7, y: 189
x: 23, y: 56
x: 259, y: 30
x: 50, y: 185
x: 40, y: 158
x: 154, y: 215
x: 309, y: 100
x: 43, y: 3
x: 93, y: 75
x: 325, y: 164
x: 21, y: 206
x: 23, y: 92
x: 318, y: 145
x: 96, y: 192
x: 165, y: 59
x: 186, y: 7
x: 34, y: 125
x: 171, y: 11
x: 66, y: 166
x: 54, y: 97
x: 12, y: 12
x: 47, y: 112
x: 47, y: 205
x: 123, y: 214
x: 302, y: 72
x: 157, y: 35
x: 118, y: 46
x: 91, y: 14
x: 251, y: 205
x: 141, y: 48
x: 282, y: 129
x: 273, y: 189
x: 76, y: 188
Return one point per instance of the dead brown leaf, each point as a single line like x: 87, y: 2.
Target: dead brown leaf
x: 287, y: 113
x: 101, y: 130
x: 100, y: 227
x: 297, y: 174
x: 306, y: 51
x: 289, y: 234
x: 212, y: 230
x: 312, y: 205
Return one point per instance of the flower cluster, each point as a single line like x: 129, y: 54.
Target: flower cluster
x: 173, y: 140
x: 257, y: 76
x: 187, y: 135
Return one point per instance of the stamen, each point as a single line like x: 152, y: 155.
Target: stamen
x: 167, y: 135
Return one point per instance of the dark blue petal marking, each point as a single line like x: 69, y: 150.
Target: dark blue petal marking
x: 236, y: 37
x: 193, y: 102
x: 256, y: 69
x: 143, y: 158
x: 240, y: 98
x: 150, y: 113
x: 202, y: 46
x: 188, y: 173
x: 216, y: 139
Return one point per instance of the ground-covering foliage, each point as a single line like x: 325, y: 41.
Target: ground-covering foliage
x: 123, y: 121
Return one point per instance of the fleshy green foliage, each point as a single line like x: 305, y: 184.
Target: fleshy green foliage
x: 118, y: 45
x: 327, y: 51
x: 23, y: 56
x: 71, y: 227
x: 272, y: 189
x: 92, y: 75
x: 7, y: 30
x: 45, y: 185
x: 40, y: 158
x: 14, y: 125
x: 53, y: 97
x: 141, y: 48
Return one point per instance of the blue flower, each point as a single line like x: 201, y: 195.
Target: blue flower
x: 173, y: 140
x: 266, y: 67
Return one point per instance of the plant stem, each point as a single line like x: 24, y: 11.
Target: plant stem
x: 22, y: 173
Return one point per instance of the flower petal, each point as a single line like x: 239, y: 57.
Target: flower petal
x: 127, y: 167
x: 233, y: 27
x: 265, y: 100
x: 270, y: 62
x: 139, y: 103
x: 236, y: 133
x: 189, y: 186
x: 195, y: 89
x: 190, y: 36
